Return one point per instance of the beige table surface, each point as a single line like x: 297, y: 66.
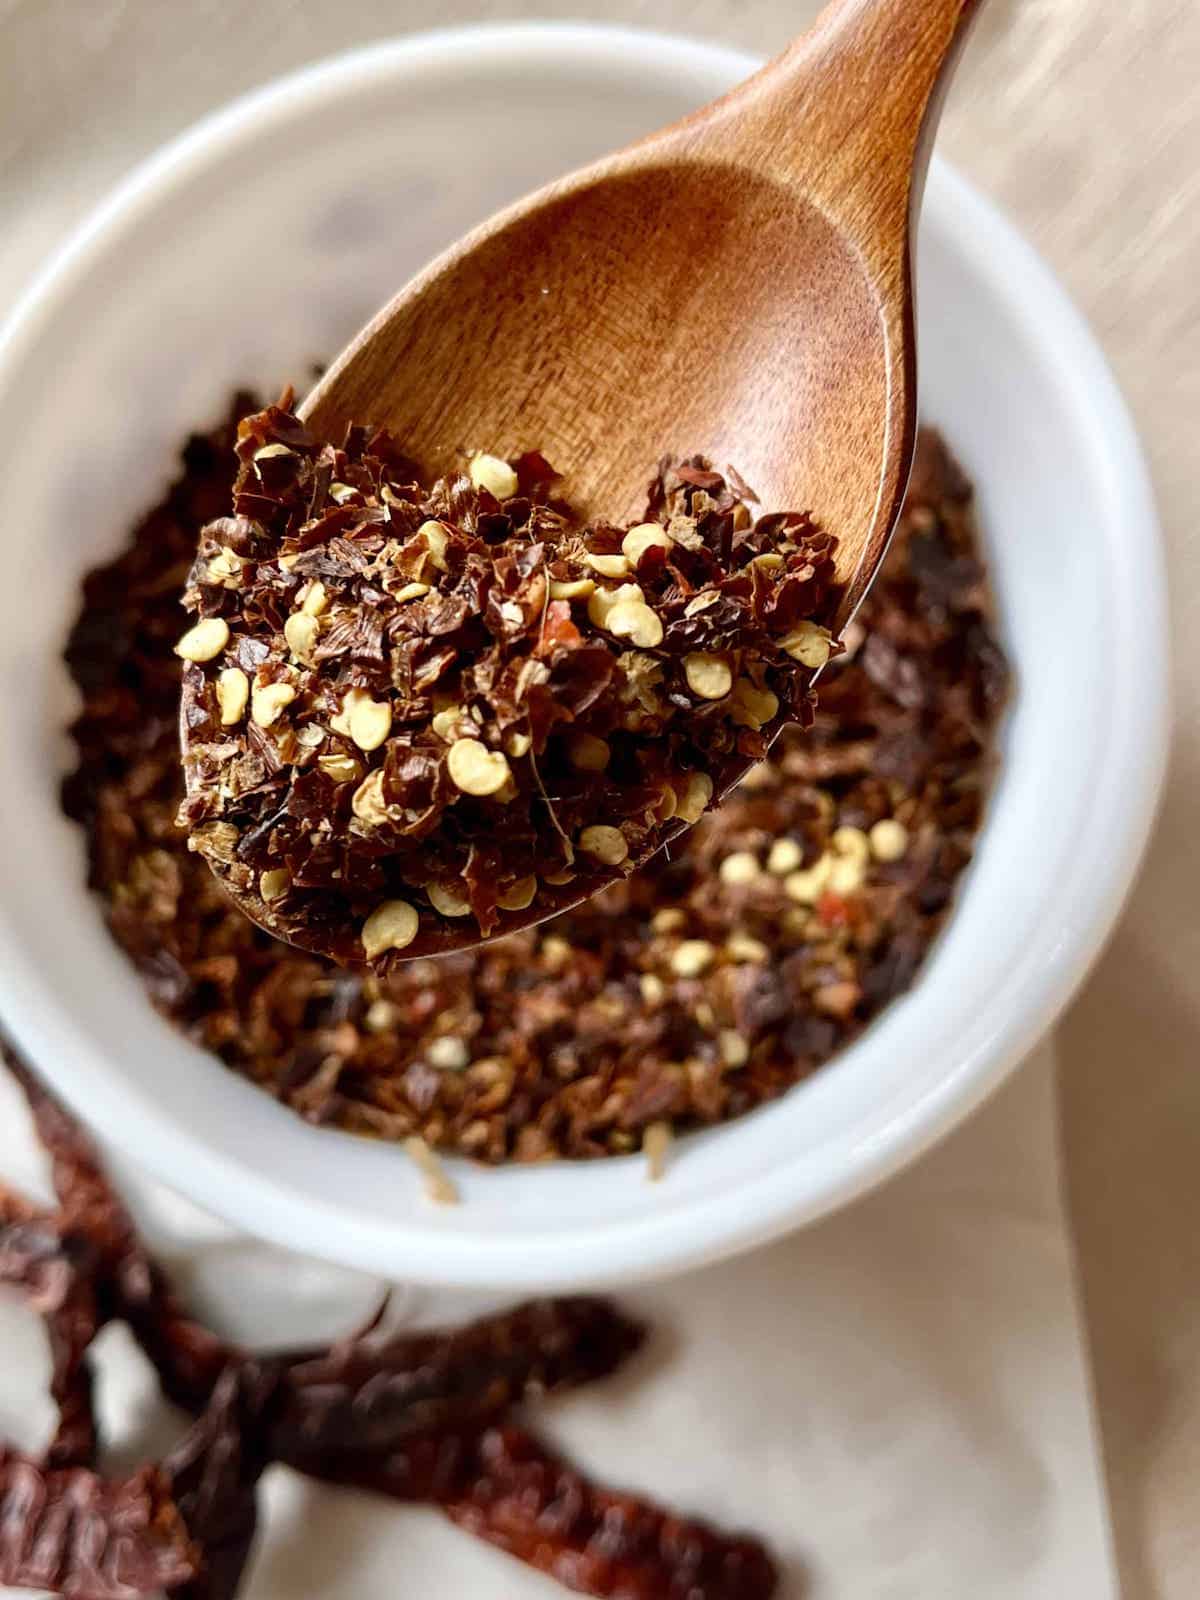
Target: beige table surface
x: 1083, y: 118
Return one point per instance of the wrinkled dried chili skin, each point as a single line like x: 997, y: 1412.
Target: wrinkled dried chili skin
x: 76, y: 1440
x: 126, y: 1283
x: 89, y: 1538
x: 87, y: 1200
x: 370, y: 1390
x: 373, y: 1393
x: 472, y: 621
x: 214, y: 1472
x: 570, y: 1053
x: 409, y: 1416
x: 506, y: 1487
x: 55, y: 1269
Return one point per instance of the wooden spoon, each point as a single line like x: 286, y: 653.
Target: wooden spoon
x: 739, y: 284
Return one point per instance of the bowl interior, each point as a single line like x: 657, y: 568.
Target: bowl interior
x: 259, y: 245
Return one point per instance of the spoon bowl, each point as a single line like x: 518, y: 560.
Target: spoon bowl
x: 737, y: 285
x: 656, y: 306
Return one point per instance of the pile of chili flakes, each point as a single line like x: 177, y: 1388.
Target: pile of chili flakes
x: 684, y: 995
x: 410, y: 714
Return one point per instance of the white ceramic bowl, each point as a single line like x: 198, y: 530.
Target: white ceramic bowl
x: 261, y: 240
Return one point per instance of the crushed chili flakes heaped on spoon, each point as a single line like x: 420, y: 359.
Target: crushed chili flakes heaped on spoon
x: 412, y: 714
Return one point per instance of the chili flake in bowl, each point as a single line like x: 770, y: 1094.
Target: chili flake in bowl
x: 417, y: 717
x: 697, y: 989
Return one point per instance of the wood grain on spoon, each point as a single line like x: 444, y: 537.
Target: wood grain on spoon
x: 739, y: 284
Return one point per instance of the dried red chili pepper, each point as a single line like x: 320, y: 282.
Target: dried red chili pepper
x: 214, y: 1473
x: 506, y: 1487
x: 412, y: 1416
x: 15, y: 1208
x: 369, y: 1390
x: 87, y: 1538
x: 131, y: 1286
x: 56, y: 1271
x: 76, y: 1440
x: 35, y: 1254
x: 369, y: 1394
x: 528, y: 1501
x: 87, y: 1200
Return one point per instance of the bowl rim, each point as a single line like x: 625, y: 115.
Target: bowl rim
x: 707, y: 1228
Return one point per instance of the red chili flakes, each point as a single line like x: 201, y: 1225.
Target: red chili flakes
x: 385, y: 685
x: 689, y: 992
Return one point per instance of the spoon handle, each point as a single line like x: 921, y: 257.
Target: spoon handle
x: 894, y: 59
x: 849, y: 111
